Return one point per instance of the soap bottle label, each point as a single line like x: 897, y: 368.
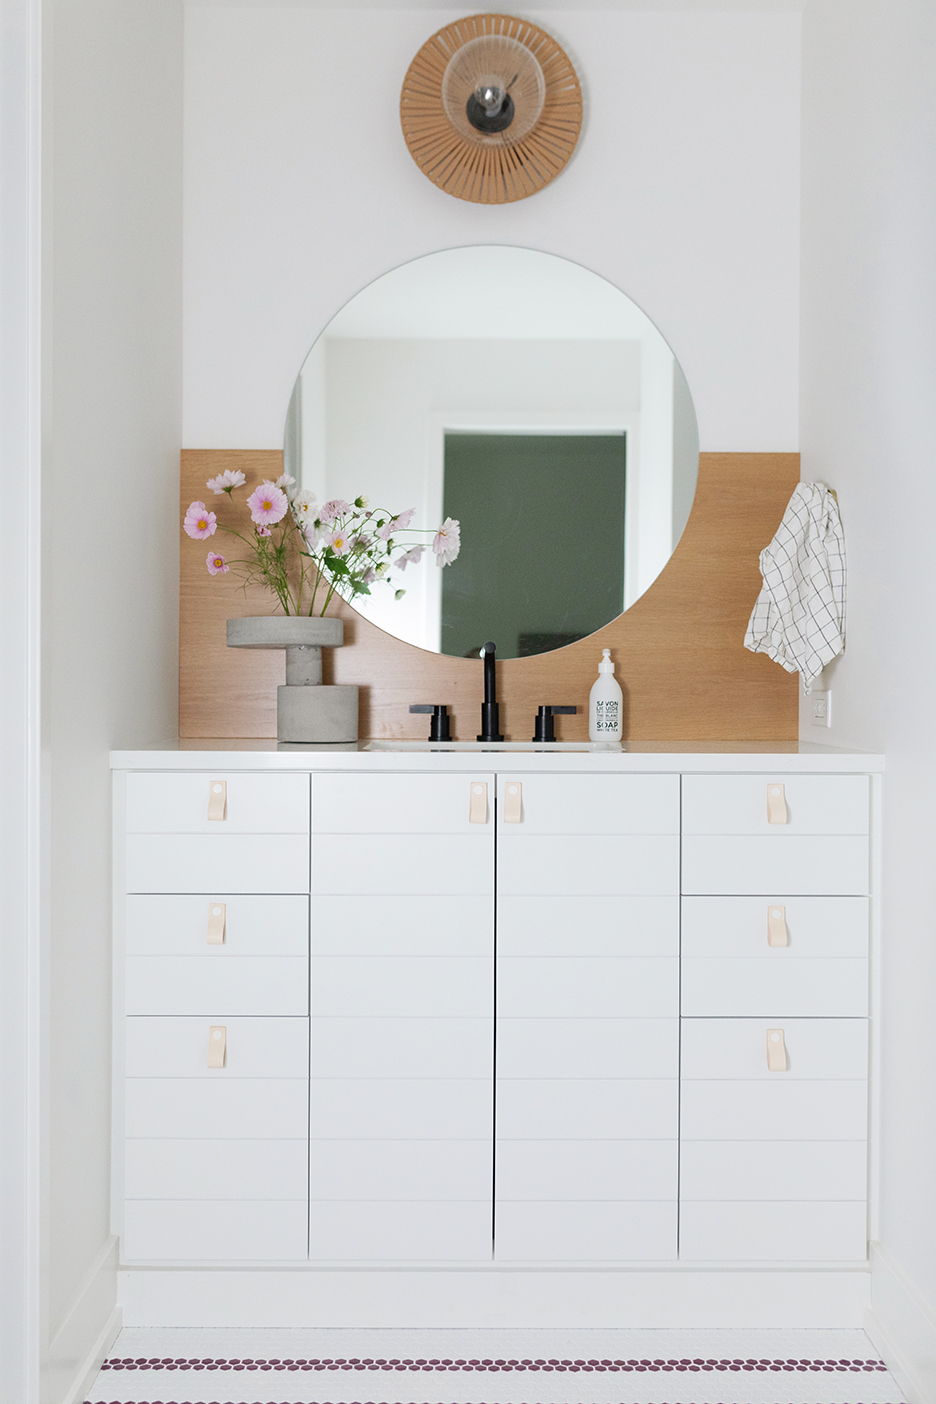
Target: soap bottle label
x: 607, y: 715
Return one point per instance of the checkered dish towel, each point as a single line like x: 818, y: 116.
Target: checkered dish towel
x: 799, y: 617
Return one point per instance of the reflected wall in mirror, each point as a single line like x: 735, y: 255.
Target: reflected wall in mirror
x: 530, y: 399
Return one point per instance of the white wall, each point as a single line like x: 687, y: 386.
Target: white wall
x: 111, y: 432
x: 869, y: 429
x: 684, y: 192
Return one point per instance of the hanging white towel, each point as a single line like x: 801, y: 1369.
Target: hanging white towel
x: 799, y: 617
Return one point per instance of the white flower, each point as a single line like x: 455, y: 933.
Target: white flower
x: 411, y: 557
x: 285, y: 482
x: 382, y: 570
x: 225, y: 481
x: 447, y: 542
x: 303, y: 506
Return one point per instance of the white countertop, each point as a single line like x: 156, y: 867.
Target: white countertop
x: 637, y: 756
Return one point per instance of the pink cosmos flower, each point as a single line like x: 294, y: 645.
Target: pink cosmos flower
x: 411, y: 557
x: 447, y: 542
x: 226, y: 481
x: 336, y: 508
x: 268, y: 504
x: 264, y: 531
x: 199, y: 522
x: 217, y: 565
x: 339, y: 541
x: 398, y: 523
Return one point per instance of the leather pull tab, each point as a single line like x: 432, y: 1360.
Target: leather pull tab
x: 217, y: 915
x: 776, y: 804
x: 217, y: 1046
x: 776, y: 1051
x: 513, y: 802
x: 777, y: 934
x: 477, y: 804
x: 217, y: 799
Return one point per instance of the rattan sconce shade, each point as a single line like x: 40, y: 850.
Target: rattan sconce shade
x: 487, y: 168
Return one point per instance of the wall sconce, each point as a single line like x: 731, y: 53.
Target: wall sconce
x: 491, y: 109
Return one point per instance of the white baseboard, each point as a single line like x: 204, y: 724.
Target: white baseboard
x: 194, y: 1297
x: 89, y: 1328
x: 903, y: 1327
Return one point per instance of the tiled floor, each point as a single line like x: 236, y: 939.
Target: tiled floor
x: 493, y: 1367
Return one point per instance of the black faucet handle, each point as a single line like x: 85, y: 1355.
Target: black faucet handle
x: 544, y: 726
x: 439, y: 726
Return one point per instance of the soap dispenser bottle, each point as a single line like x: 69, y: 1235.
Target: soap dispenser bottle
x: 605, y: 703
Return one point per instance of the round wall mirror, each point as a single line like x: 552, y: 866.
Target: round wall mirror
x: 526, y: 398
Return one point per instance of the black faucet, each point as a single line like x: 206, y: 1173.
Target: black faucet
x: 489, y: 721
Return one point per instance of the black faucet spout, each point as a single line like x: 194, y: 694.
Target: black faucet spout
x: 490, y: 725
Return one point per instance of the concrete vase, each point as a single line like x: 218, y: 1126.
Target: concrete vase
x: 306, y: 710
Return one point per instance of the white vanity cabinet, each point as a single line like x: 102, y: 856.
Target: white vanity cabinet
x: 402, y: 1067
x: 553, y: 1010
x: 774, y: 1049
x: 587, y: 1017
x: 215, y: 918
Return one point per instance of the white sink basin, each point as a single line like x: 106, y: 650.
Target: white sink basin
x: 614, y: 746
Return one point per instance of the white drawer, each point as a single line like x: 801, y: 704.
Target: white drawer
x: 403, y: 924
x: 737, y: 1048
x: 735, y: 987
x: 582, y: 1232
x: 595, y: 804
x: 397, y: 804
x: 394, y: 1231
x: 253, y: 926
x: 587, y: 925
x: 213, y: 863
x: 761, y: 1170
x: 178, y: 1047
x: 404, y: 986
x: 776, y: 1111
x: 252, y: 1108
x: 595, y: 987
x: 737, y: 926
x: 543, y: 1109
x: 737, y: 804
x: 402, y: 1048
x: 583, y: 1170
x: 198, y: 984
x: 231, y: 1230
x: 804, y: 864
x: 402, y: 863
x: 588, y: 1048
x: 588, y: 865
x: 200, y: 1169
x: 432, y: 1109
x: 405, y: 1170
x: 178, y: 804
x: 773, y: 1232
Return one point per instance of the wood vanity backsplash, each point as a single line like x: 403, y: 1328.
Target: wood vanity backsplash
x: 679, y: 651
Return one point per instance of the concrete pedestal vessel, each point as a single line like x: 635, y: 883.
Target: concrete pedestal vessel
x: 306, y: 710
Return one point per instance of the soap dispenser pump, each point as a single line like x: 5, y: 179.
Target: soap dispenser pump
x: 605, y: 703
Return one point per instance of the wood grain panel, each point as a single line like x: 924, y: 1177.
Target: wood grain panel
x: 678, y: 651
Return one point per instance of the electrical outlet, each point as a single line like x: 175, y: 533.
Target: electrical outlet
x: 820, y: 708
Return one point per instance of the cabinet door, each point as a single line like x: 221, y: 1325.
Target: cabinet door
x: 216, y: 1156
x: 802, y: 834
x: 772, y: 1163
x: 587, y: 1004
x: 731, y: 969
x: 402, y: 1000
